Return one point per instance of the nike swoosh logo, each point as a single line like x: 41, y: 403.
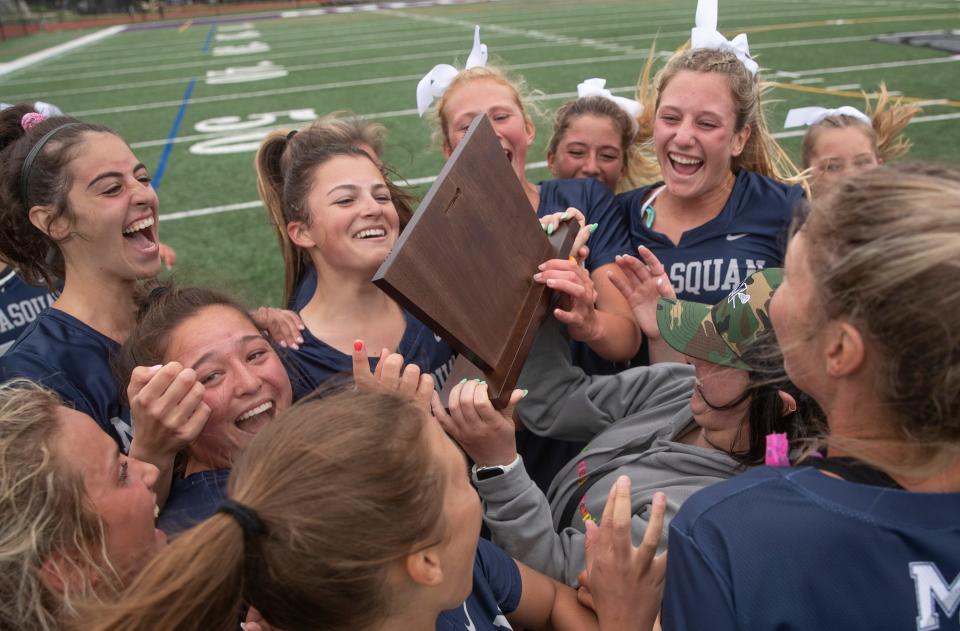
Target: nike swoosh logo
x: 734, y: 237
x: 470, y: 626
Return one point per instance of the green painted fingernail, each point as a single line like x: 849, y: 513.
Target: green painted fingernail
x: 593, y: 227
x: 525, y: 392
x: 564, y: 215
x: 462, y: 381
x: 481, y: 382
x: 544, y: 226
x: 550, y: 230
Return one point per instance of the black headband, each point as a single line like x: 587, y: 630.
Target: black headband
x: 248, y: 519
x: 28, y: 163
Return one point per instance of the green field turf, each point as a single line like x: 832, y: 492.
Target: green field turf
x: 370, y: 63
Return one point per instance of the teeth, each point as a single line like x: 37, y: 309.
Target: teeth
x: 263, y: 407
x: 372, y: 232
x: 156, y: 511
x: 683, y: 160
x: 139, y: 225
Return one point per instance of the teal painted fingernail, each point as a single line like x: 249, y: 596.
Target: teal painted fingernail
x: 544, y: 226
x: 550, y: 230
x: 481, y: 382
x: 525, y: 392
x: 462, y: 381
x: 593, y: 227
x: 564, y: 215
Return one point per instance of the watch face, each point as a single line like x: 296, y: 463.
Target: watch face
x: 489, y: 472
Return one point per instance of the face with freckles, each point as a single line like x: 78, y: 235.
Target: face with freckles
x: 695, y: 133
x: 245, y: 384
x: 469, y: 98
x: 114, y: 212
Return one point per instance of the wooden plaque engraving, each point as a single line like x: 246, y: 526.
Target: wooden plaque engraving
x: 464, y: 265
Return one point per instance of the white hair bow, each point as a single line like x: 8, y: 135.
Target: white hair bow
x: 801, y: 116
x: 595, y: 87
x: 40, y: 107
x: 436, y: 82
x: 705, y: 35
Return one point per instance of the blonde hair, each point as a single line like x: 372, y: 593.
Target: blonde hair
x: 45, y: 514
x: 885, y: 250
x: 762, y: 153
x: 344, y: 486
x: 889, y: 116
x: 441, y: 133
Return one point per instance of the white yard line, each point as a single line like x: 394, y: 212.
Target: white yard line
x: 55, y: 51
x: 200, y: 212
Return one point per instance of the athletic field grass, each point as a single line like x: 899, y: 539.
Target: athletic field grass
x: 159, y: 88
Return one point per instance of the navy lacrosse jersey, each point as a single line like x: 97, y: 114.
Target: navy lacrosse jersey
x: 597, y: 204
x: 793, y: 548
x: 20, y: 304
x: 317, y: 361
x: 304, y: 290
x: 711, y: 260
x: 192, y: 499
x: 497, y: 588
x: 64, y: 354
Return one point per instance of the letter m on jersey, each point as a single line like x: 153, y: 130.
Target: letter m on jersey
x: 933, y: 591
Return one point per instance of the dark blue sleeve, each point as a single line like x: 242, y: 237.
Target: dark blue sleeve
x: 612, y: 237
x: 304, y: 290
x: 27, y: 365
x: 696, y: 596
x: 502, y: 575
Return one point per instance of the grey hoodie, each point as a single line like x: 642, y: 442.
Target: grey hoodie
x: 631, y: 421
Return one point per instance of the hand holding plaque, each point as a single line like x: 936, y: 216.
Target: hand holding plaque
x: 464, y: 265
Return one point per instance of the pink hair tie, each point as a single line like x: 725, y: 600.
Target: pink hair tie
x: 31, y: 120
x: 778, y: 451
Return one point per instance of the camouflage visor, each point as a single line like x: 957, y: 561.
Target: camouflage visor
x: 722, y: 333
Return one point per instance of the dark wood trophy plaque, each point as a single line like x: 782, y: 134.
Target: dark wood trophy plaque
x: 464, y: 265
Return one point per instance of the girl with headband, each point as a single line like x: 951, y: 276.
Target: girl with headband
x: 593, y: 137
x: 306, y: 537
x: 723, y: 207
x: 77, y: 205
x: 336, y: 209
x: 845, y: 141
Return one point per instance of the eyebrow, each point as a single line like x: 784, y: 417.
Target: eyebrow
x: 349, y: 187
x: 243, y: 340
x: 139, y: 166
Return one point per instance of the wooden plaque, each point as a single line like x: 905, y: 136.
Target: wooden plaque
x: 464, y: 265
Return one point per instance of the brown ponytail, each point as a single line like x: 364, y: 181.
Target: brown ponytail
x: 343, y: 486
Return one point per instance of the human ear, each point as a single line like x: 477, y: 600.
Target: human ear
x: 788, y: 402
x: 531, y: 130
x: 424, y: 568
x: 740, y: 140
x: 845, y: 350
x: 447, y: 150
x: 62, y: 575
x: 300, y: 235
x: 42, y: 219
x: 551, y: 163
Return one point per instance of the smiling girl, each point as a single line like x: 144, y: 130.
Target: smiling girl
x: 723, y: 208
x: 337, y: 210
x: 77, y: 205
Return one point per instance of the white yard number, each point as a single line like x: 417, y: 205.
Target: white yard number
x: 245, y: 74
x: 256, y: 126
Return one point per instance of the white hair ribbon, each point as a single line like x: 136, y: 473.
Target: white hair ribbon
x: 706, y: 35
x: 436, y: 82
x: 595, y: 87
x: 801, y: 116
x: 40, y: 107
